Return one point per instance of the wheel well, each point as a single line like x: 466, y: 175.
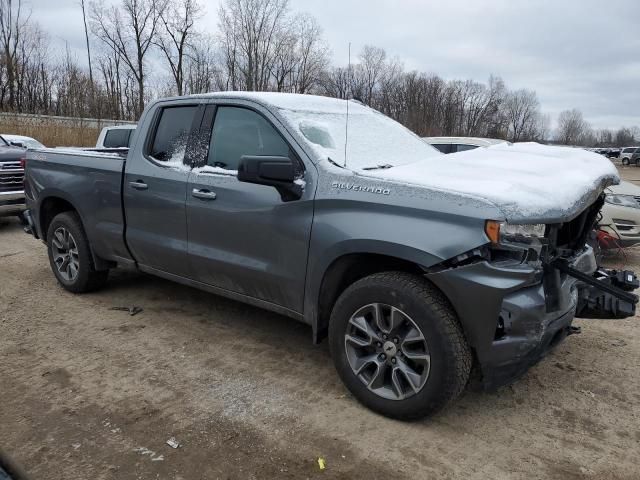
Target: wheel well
x: 349, y: 269
x: 51, y: 207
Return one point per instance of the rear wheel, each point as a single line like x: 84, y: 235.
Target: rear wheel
x: 398, y: 346
x: 70, y: 255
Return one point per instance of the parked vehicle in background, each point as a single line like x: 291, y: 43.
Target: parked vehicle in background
x: 22, y: 141
x: 460, y: 144
x: 628, y: 155
x: 613, y: 153
x: 417, y: 270
x: 11, y: 179
x: 634, y: 159
x: 621, y: 214
x: 118, y: 136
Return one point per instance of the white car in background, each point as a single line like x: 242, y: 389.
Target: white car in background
x: 22, y: 141
x: 460, y: 144
x: 118, y: 136
x: 621, y: 214
x: 626, y: 155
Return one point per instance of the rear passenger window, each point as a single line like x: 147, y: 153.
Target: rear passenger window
x: 117, y: 138
x: 170, y: 138
x: 462, y: 147
x: 239, y: 131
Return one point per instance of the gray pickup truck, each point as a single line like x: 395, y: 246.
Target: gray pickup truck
x: 11, y: 179
x: 424, y: 271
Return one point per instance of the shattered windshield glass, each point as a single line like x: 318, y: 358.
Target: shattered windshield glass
x: 373, y: 140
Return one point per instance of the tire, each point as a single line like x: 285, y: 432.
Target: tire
x: 625, y: 161
x: 70, y: 255
x: 416, y: 303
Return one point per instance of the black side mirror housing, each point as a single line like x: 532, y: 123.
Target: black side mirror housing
x: 18, y: 144
x: 278, y: 172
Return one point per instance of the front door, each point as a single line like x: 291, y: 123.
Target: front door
x: 243, y: 237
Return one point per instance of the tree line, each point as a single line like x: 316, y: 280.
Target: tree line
x: 138, y: 50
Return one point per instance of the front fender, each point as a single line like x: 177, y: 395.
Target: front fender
x: 422, y: 238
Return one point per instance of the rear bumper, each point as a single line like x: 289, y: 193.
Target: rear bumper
x: 505, y: 313
x: 12, y: 203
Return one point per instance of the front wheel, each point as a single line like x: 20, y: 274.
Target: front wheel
x: 398, y: 346
x: 625, y: 161
x: 70, y: 255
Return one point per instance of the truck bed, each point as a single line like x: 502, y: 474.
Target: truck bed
x: 92, y: 183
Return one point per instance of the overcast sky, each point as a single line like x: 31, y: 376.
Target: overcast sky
x: 573, y: 53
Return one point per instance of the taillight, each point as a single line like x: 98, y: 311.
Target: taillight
x: 23, y: 162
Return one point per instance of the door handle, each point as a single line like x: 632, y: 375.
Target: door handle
x: 138, y: 185
x: 203, y: 194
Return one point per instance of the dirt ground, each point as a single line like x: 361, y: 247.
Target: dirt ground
x: 91, y: 393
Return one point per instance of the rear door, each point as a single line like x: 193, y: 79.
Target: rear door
x: 154, y: 190
x: 245, y: 238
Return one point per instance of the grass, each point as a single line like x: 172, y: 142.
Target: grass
x: 50, y: 132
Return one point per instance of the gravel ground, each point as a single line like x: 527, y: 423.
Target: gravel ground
x: 91, y: 393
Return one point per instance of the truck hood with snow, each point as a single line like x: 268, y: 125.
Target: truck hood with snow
x: 527, y: 182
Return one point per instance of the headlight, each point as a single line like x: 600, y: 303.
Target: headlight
x: 508, y: 233
x: 621, y: 200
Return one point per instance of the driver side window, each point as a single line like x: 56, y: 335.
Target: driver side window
x: 239, y: 131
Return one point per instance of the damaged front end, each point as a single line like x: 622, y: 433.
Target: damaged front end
x: 516, y: 297
x: 602, y: 293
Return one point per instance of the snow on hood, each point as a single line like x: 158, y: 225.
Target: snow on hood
x: 528, y: 182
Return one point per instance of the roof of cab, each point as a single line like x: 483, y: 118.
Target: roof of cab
x: 293, y: 101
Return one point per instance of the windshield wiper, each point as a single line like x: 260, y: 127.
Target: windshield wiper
x: 334, y: 163
x: 378, y: 167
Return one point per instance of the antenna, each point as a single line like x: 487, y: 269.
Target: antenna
x: 346, y: 125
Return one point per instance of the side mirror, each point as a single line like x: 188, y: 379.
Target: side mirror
x: 18, y: 144
x: 278, y: 172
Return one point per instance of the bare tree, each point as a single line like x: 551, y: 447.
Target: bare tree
x: 624, y: 137
x: 335, y: 82
x: 32, y: 73
x: 285, y: 59
x: 571, y: 127
x: 178, y: 19
x: 542, y: 128
x: 300, y: 55
x: 605, y: 137
x: 250, y: 30
x: 312, y: 54
x: 130, y: 31
x: 371, y: 68
x: 521, y: 109
x: 204, y: 67
x: 13, y: 21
